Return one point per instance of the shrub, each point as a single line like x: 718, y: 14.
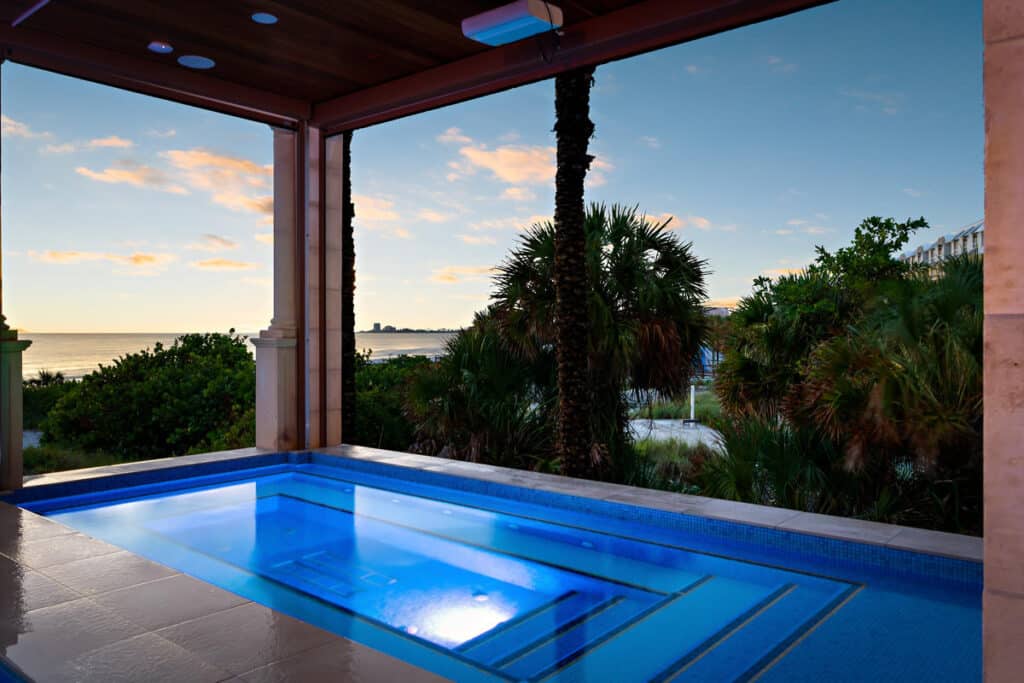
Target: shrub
x: 40, y: 395
x: 169, y: 401
x: 49, y: 458
x: 380, y: 394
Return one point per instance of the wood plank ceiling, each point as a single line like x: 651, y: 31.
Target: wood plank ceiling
x: 320, y: 51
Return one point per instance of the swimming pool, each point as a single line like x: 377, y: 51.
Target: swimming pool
x: 457, y: 578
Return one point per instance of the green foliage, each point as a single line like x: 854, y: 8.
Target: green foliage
x: 668, y: 464
x: 40, y: 394
x: 864, y: 356
x: 169, y: 401
x: 380, y: 396
x: 482, y: 402
x: 50, y: 458
x: 708, y: 409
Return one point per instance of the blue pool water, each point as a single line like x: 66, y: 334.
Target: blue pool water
x: 481, y: 587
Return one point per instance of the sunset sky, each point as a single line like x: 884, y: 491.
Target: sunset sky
x: 124, y: 213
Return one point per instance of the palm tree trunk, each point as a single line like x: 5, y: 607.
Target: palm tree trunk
x: 573, y: 129
x: 348, y: 288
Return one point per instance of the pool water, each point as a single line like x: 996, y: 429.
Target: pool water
x: 474, y: 592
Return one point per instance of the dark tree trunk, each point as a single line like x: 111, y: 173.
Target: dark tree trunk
x: 348, y: 289
x: 573, y: 129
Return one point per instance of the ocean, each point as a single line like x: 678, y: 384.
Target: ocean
x: 79, y: 354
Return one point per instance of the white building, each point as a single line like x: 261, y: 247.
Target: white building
x: 969, y: 240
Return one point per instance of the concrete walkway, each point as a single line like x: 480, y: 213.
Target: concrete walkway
x: 663, y: 430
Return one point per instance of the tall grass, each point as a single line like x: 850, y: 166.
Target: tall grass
x: 708, y: 410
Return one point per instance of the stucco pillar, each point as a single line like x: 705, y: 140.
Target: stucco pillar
x: 323, y: 288
x: 1004, y: 341
x: 278, y: 396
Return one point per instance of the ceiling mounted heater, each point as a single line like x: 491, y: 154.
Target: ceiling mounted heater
x: 512, y: 22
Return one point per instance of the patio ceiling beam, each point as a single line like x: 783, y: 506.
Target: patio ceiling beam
x: 33, y: 48
x: 623, y: 33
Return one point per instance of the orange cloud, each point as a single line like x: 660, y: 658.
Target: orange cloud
x: 454, y: 135
x: 432, y: 216
x: 223, y: 264
x: 514, y: 163
x: 16, y: 129
x: 779, y: 272
x: 213, y: 243
x: 518, y: 194
x: 455, y: 274
x: 135, y: 174
x: 477, y: 239
x: 232, y: 182
x: 138, y: 263
x: 264, y: 237
x: 110, y: 141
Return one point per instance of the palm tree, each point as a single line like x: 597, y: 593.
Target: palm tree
x: 642, y: 305
x: 573, y: 129
x: 348, y: 288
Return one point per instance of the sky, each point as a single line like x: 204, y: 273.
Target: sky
x: 124, y: 213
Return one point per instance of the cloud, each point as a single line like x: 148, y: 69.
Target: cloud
x: 515, y: 164
x: 111, y: 141
x: 729, y: 302
x: 63, y: 148
x: 667, y: 220
x: 816, y: 230
x: 784, y: 231
x: 779, y: 272
x: 796, y: 221
x: 264, y: 237
x: 233, y: 182
x: 887, y: 102
x: 220, y: 264
x: 698, y: 222
x: 402, y: 234
x: 692, y: 68
x: 519, y: 194
x: 650, y: 141
x: 168, y: 133
x: 454, y: 136
x: 455, y: 274
x: 477, y: 239
x: 432, y: 216
x: 137, y: 263
x: 16, y: 129
x: 510, y: 223
x: 212, y: 243
x: 135, y: 174
x: 912, y: 192
x: 780, y: 65
x: 375, y: 209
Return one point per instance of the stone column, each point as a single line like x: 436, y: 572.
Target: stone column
x: 1004, y: 341
x: 277, y: 381
x: 11, y: 349
x: 323, y: 288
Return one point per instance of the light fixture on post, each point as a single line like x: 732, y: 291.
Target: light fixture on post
x: 512, y: 22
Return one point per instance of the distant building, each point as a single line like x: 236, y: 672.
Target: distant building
x: 376, y: 327
x: 389, y: 328
x: 969, y: 240
x: 717, y: 311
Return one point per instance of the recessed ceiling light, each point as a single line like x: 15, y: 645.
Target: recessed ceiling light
x: 160, y: 47
x: 265, y: 18
x: 196, y: 62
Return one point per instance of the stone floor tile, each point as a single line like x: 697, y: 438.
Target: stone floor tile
x: 168, y: 601
x: 246, y: 637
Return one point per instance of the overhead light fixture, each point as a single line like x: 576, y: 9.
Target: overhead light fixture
x: 265, y: 18
x: 160, y: 47
x: 512, y: 22
x: 196, y: 62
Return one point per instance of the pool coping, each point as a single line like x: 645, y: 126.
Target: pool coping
x: 910, y: 539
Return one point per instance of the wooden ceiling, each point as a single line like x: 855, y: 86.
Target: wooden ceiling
x: 340, y: 63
